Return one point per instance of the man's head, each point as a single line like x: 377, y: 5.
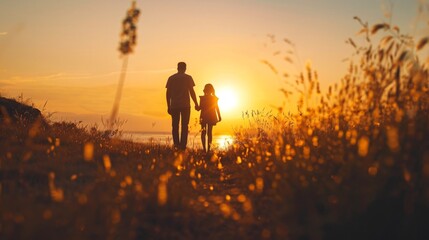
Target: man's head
x: 181, y: 67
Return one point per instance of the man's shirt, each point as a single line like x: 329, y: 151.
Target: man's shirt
x: 179, y: 86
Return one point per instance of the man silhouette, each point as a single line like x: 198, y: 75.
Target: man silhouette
x: 179, y: 87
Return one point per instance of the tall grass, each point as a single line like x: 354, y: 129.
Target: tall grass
x: 126, y: 47
x: 353, y: 163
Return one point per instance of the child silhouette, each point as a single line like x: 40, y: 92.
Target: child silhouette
x: 210, y: 115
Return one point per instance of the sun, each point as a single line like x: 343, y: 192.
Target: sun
x: 228, y: 99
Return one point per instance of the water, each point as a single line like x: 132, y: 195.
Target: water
x: 164, y: 138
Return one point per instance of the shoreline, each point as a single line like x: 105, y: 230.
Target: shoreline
x: 222, y: 141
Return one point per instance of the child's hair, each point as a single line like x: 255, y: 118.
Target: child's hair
x: 209, y: 89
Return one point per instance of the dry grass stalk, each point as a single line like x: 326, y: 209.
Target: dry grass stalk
x: 126, y: 46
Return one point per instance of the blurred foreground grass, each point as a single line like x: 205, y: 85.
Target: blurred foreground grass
x: 66, y: 182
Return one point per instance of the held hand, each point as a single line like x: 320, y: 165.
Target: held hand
x: 197, y: 108
x: 169, y: 110
x: 220, y: 118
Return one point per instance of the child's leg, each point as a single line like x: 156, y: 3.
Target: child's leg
x: 203, y: 136
x: 209, y: 135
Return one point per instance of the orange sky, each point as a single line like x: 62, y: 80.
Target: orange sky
x: 65, y: 52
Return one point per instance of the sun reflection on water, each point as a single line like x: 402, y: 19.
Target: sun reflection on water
x: 223, y: 141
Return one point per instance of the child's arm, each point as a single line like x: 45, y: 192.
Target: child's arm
x: 218, y: 113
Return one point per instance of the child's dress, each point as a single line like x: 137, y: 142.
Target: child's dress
x: 208, y: 104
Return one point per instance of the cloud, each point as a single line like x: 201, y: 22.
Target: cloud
x: 84, y: 76
x: 86, y: 93
x: 3, y: 33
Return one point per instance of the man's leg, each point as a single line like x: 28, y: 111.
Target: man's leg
x: 175, y: 117
x: 186, y: 113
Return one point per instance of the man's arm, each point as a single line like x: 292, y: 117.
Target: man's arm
x: 194, y: 97
x: 168, y: 97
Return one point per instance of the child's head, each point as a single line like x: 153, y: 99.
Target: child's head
x: 209, y: 89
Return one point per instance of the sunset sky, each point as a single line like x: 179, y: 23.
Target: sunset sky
x: 65, y: 52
